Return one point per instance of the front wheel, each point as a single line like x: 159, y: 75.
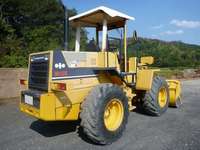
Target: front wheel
x: 155, y: 101
x: 104, y: 113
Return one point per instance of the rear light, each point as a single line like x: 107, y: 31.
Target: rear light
x: 23, y: 82
x: 61, y: 86
x: 58, y: 86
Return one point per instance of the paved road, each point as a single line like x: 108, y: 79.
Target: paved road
x: 177, y: 129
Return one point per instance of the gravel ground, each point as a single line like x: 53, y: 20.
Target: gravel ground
x: 177, y: 129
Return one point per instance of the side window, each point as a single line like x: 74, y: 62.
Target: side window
x: 115, y: 40
x: 91, y: 43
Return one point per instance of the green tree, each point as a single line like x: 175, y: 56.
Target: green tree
x: 166, y: 54
x: 28, y: 26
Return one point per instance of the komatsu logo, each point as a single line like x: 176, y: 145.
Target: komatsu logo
x: 59, y: 66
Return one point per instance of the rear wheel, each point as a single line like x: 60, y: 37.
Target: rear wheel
x: 155, y: 102
x: 104, y: 113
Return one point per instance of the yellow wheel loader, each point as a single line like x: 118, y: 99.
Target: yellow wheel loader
x: 100, y: 87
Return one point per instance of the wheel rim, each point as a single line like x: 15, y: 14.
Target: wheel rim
x: 162, y: 97
x: 113, y: 114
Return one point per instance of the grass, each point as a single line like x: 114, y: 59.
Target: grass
x: 171, y: 72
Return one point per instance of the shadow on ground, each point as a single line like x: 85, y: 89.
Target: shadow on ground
x: 140, y: 110
x: 51, y: 129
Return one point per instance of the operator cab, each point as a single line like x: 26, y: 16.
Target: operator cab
x: 103, y: 20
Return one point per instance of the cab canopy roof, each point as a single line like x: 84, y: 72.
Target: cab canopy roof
x: 95, y: 17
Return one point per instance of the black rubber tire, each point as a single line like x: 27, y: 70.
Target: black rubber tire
x: 92, y: 113
x: 149, y: 101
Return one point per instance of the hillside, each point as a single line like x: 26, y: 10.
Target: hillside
x: 167, y: 54
x: 35, y: 25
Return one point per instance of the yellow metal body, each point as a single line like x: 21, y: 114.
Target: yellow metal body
x: 65, y: 104
x: 53, y: 107
x: 125, y: 48
x: 174, y: 92
x: 144, y: 79
x: 148, y: 60
x: 113, y: 114
x: 132, y: 67
x: 162, y: 97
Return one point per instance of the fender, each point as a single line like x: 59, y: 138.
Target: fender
x: 145, y: 78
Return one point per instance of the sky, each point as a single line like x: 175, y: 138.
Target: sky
x: 169, y: 20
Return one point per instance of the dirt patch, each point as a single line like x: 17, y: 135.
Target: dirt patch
x: 9, y: 100
x: 191, y: 73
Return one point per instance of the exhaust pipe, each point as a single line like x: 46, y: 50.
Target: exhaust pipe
x: 66, y: 25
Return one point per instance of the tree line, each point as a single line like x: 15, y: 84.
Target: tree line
x: 166, y: 54
x: 28, y: 26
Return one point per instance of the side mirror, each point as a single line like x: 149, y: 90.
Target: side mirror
x: 135, y: 38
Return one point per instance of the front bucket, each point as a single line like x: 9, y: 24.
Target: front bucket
x: 174, y: 93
